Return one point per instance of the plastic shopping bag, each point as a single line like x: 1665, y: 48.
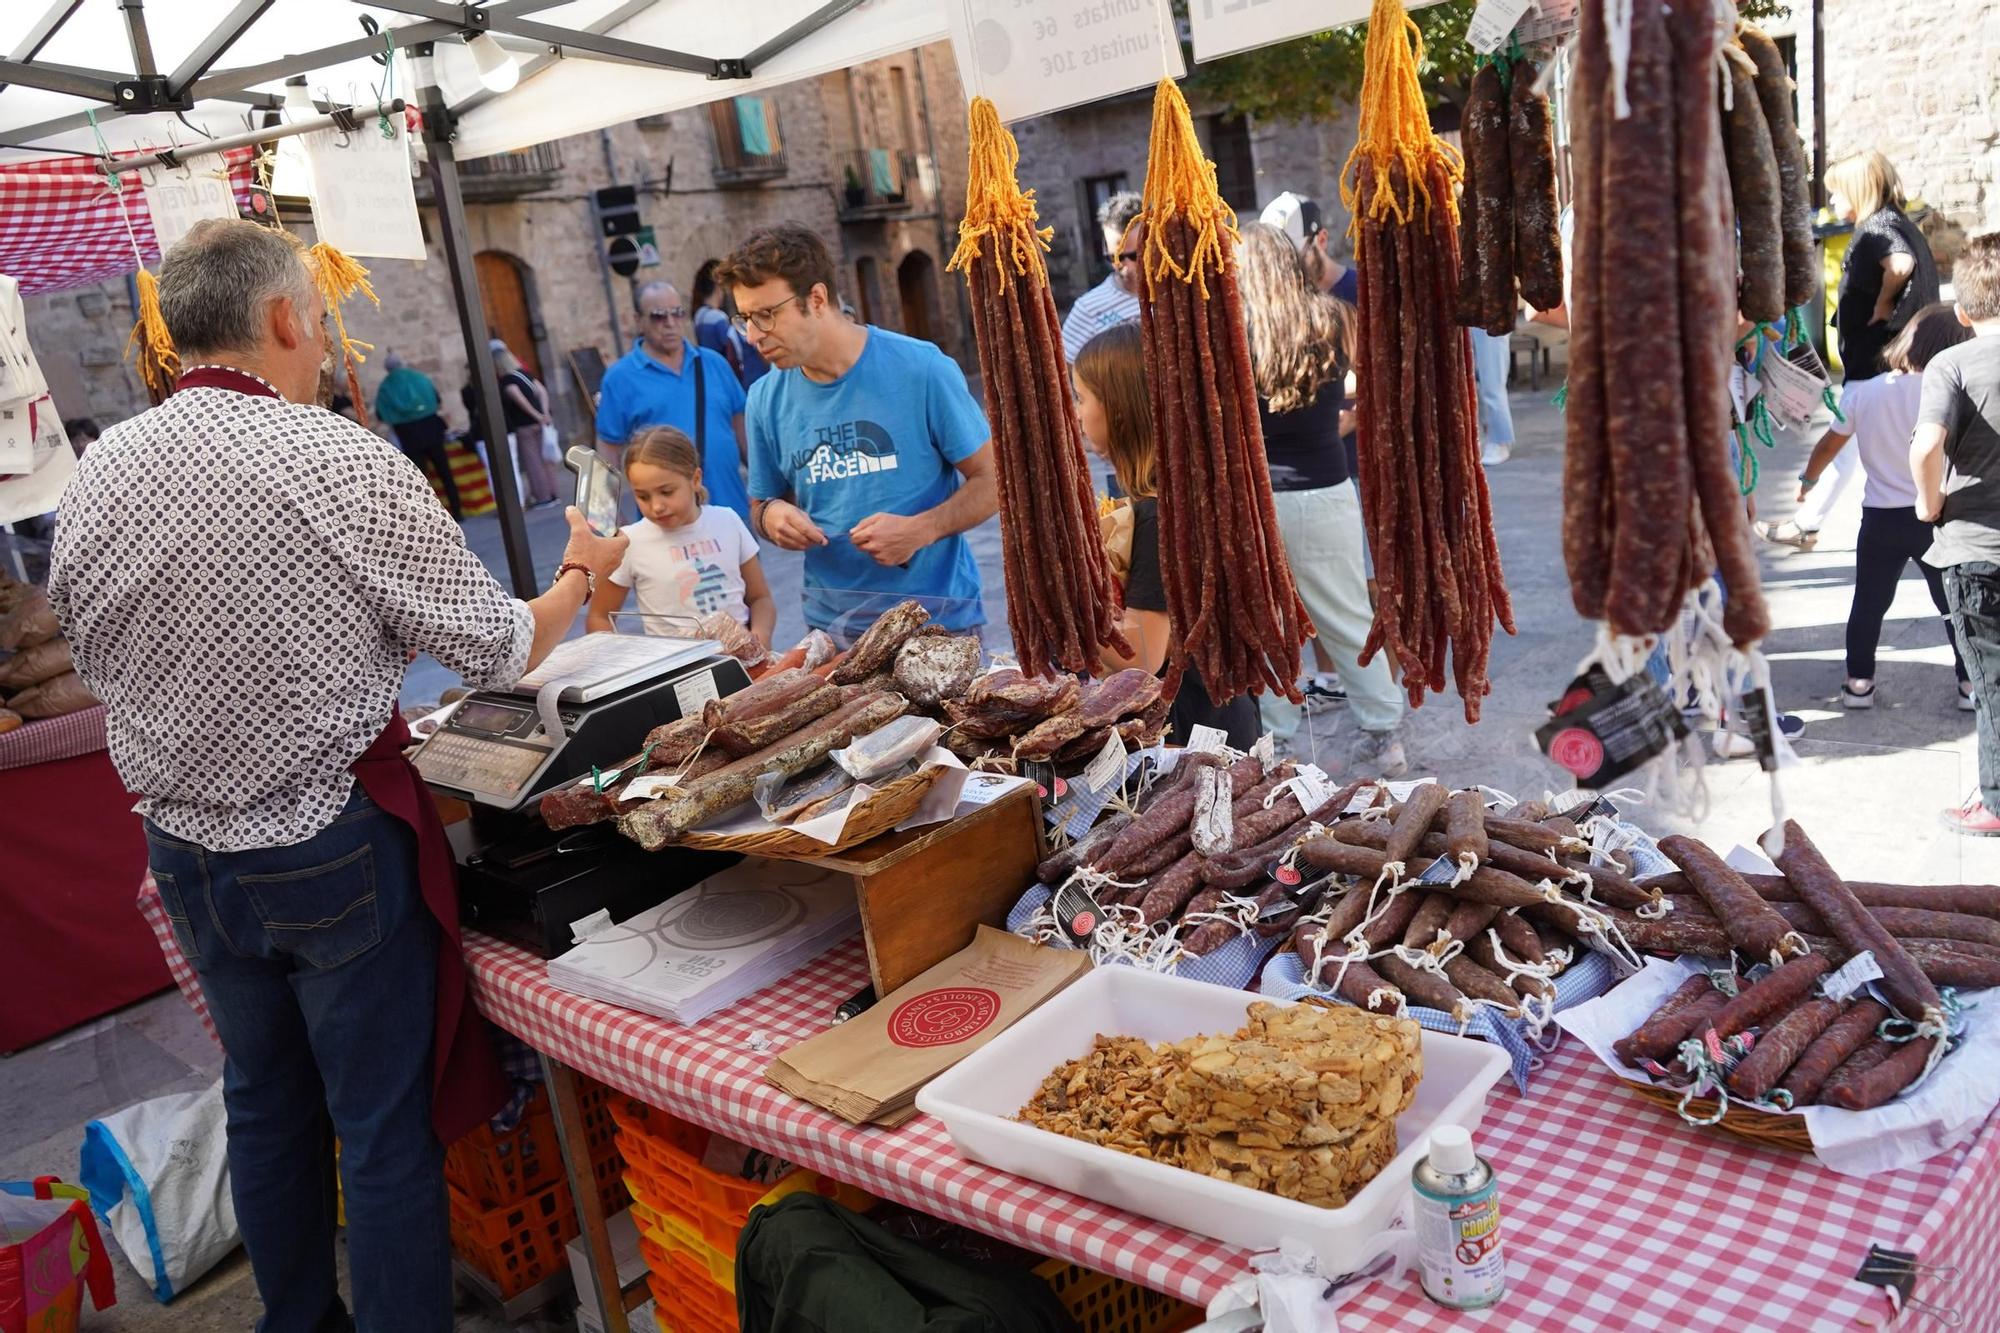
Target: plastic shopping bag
x: 551, y: 445
x: 158, y: 1176
x: 50, y: 1253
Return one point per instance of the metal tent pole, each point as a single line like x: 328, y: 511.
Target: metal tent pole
x: 472, y: 322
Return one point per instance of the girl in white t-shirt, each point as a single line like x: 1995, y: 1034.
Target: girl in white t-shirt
x: 688, y: 558
x: 1879, y: 414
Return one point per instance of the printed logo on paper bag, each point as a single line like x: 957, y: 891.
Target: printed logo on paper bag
x: 943, y: 1017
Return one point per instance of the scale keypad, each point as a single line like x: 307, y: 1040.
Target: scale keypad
x: 452, y: 759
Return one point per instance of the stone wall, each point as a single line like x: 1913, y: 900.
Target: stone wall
x: 1921, y: 84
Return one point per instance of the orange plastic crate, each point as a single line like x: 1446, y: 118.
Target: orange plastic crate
x: 516, y: 1244
x: 492, y: 1169
x: 600, y: 1131
x: 1101, y: 1303
x: 609, y: 1172
x: 685, y: 1298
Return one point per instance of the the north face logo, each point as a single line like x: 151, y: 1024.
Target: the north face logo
x: 849, y: 449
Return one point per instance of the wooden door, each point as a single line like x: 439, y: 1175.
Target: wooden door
x: 916, y: 285
x: 505, y: 297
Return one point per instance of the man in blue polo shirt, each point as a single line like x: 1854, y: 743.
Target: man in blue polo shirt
x: 866, y: 450
x: 660, y: 382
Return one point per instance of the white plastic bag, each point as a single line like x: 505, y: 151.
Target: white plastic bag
x: 551, y: 445
x: 158, y: 1176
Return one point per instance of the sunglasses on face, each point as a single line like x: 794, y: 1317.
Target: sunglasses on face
x: 666, y: 316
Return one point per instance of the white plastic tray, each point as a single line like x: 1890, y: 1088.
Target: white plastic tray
x: 978, y: 1099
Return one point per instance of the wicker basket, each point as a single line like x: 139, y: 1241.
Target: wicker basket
x: 1762, y: 1128
x: 883, y: 810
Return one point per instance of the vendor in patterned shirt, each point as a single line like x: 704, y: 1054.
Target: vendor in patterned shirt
x: 243, y: 577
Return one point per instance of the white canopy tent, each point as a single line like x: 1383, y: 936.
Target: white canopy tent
x: 84, y: 76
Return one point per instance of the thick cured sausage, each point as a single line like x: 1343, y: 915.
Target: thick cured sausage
x: 1465, y: 828
x: 1531, y: 165
x: 1903, y: 982
x: 1752, y: 926
x: 1432, y: 913
x: 1862, y: 1086
x: 1413, y: 822
x: 1758, y: 194
x: 1777, y: 990
x: 1774, y: 94
x: 773, y: 692
x: 1479, y: 984
x: 1661, y: 1035
x: 1609, y: 885
x: 1057, y: 867
x: 1170, y: 890
x: 1779, y: 1048
x: 1365, y: 988
x: 1480, y: 950
x: 1392, y: 918
x: 1468, y: 920
x: 737, y: 737
x: 1847, y: 1034
x: 1965, y: 899
x: 1421, y: 986
x: 1489, y: 200
x: 1534, y: 836
x: 1689, y: 991
x: 1901, y: 922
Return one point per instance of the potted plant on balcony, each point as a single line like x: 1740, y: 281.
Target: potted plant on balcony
x: 856, y: 195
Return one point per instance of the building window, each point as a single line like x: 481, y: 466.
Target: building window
x: 748, y: 145
x: 1235, y: 171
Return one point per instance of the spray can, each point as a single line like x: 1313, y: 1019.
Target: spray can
x: 1458, y: 1223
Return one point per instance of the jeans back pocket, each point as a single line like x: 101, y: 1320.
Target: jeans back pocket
x: 177, y: 916
x: 322, y: 915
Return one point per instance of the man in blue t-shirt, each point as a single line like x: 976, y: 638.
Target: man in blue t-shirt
x: 660, y: 381
x: 866, y: 450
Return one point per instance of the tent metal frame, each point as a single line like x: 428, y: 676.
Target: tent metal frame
x: 196, y: 79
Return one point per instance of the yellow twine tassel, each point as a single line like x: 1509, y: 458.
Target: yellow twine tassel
x: 159, y: 363
x: 338, y: 277
x: 1395, y: 126
x: 1180, y: 182
x: 996, y: 205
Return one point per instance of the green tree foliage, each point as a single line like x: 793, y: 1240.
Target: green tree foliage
x: 1315, y: 77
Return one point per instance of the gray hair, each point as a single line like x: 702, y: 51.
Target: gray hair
x: 1119, y: 210
x: 656, y: 285
x: 215, y: 283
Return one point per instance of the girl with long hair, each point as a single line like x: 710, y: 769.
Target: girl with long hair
x: 1110, y: 382
x: 1301, y: 347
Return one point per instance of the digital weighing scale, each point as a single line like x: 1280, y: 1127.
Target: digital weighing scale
x: 590, y: 703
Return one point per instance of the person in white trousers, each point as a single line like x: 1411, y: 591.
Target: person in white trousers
x: 1496, y: 417
x: 1301, y: 344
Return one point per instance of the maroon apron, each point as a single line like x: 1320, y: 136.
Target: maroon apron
x: 467, y: 1085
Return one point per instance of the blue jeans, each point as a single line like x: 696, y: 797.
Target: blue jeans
x: 1489, y: 367
x: 1973, y: 590
x: 319, y: 964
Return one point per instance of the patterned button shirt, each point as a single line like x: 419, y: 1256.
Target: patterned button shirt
x: 242, y: 580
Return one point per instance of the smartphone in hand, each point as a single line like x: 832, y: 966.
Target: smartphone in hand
x: 600, y: 491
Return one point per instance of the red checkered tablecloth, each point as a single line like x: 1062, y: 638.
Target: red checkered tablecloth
x: 54, y: 738
x: 1618, y: 1216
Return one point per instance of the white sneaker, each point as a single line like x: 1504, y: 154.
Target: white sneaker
x: 1381, y: 753
x: 1733, y: 745
x: 1853, y: 697
x: 1495, y: 454
x: 1968, y: 702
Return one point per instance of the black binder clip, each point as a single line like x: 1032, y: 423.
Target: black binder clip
x: 1898, y: 1272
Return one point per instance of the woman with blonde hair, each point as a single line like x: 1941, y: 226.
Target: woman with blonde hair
x: 530, y: 425
x: 1889, y: 273
x: 1301, y: 348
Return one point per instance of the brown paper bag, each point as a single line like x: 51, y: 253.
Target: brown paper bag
x: 869, y: 1068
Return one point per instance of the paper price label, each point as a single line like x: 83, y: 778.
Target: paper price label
x: 1553, y: 20
x: 1265, y: 751
x: 1856, y: 973
x: 695, y: 691
x: 1109, y: 765
x: 1362, y: 800
x: 1315, y: 789
x: 1492, y: 21
x: 1439, y: 871
x: 1207, y: 740
x: 650, y: 787
x: 1793, y: 394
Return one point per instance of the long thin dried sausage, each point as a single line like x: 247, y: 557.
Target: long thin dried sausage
x: 1843, y: 1037
x: 1965, y: 899
x: 1778, y: 989
x: 1661, y: 1035
x: 1774, y: 93
x: 1688, y: 992
x: 1758, y: 194
x: 1862, y: 1086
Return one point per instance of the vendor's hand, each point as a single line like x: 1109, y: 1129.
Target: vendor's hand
x: 891, y: 539
x: 787, y: 525
x: 599, y: 555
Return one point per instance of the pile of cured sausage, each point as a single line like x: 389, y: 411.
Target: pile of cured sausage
x: 1196, y: 854
x: 1062, y: 603
x: 1853, y: 1053
x: 1430, y: 519
x: 1389, y: 928
x: 1234, y: 611
x: 788, y: 723
x: 1508, y: 242
x: 1650, y: 500
x: 1005, y: 718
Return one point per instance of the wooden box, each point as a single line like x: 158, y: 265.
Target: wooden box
x: 923, y: 892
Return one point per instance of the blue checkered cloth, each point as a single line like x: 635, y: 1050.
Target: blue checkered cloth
x: 1235, y: 964
x: 1077, y: 811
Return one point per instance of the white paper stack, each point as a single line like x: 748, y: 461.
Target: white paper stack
x: 708, y: 947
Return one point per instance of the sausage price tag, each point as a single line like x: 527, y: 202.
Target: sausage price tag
x: 1492, y: 21
x: 1856, y: 973
x: 1206, y: 740
x: 649, y: 787
x: 1109, y: 765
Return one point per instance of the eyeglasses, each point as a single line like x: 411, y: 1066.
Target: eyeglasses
x: 763, y: 319
x: 666, y: 316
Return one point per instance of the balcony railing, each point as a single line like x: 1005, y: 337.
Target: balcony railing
x: 879, y: 182
x: 748, y: 145
x: 506, y: 175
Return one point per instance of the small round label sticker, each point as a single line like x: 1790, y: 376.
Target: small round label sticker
x: 1062, y: 788
x: 1577, y: 750
x: 1083, y: 922
x: 943, y: 1017
x: 1287, y: 876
